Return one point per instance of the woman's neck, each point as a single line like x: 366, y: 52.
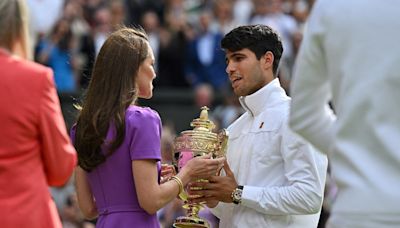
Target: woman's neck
x: 4, y: 51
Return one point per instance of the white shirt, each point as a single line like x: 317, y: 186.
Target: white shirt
x: 350, y: 55
x: 283, y: 177
x: 205, y: 47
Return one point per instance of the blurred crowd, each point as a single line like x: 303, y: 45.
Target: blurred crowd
x: 185, y: 36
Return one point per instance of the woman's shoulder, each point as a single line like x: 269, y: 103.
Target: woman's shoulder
x: 32, y: 66
x: 25, y: 68
x: 138, y: 113
x: 29, y: 81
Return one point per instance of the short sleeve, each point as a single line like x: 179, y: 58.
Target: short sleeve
x: 145, y: 127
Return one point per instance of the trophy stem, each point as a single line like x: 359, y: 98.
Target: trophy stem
x: 193, y: 211
x: 192, y: 219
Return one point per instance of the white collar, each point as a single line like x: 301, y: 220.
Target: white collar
x: 269, y: 95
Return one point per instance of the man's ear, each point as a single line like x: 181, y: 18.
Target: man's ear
x: 267, y: 60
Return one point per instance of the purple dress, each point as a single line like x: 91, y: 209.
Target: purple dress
x: 112, y: 182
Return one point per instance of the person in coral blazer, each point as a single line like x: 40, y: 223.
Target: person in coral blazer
x: 35, y: 150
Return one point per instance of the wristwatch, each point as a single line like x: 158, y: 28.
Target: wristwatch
x: 237, y: 194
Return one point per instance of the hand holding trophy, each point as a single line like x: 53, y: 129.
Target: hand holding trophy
x: 200, y: 141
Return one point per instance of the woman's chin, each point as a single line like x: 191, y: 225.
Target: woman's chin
x: 146, y: 96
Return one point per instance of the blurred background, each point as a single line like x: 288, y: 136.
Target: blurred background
x: 185, y: 36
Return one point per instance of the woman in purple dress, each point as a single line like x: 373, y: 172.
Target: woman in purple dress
x: 118, y: 143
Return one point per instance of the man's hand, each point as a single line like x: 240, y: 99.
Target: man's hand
x: 167, y: 171
x: 216, y: 189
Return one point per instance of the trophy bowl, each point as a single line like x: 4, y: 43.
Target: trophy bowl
x: 192, y: 143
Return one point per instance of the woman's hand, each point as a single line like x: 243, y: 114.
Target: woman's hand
x: 203, y: 167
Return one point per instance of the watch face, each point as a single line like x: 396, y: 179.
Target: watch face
x: 237, y: 195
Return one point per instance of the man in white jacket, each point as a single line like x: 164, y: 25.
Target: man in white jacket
x: 274, y: 178
x: 350, y: 56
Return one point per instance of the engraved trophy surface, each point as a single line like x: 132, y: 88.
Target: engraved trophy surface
x: 192, y: 143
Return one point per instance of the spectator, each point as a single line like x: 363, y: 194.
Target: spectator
x: 340, y: 62
x: 117, y: 12
x: 205, y: 59
x: 43, y: 15
x: 35, y: 150
x: 223, y: 14
x: 72, y: 216
x: 102, y: 28
x: 270, y: 12
x: 242, y: 10
x: 203, y: 96
x: 151, y: 25
x: 171, y: 56
x: 56, y: 51
x: 84, y: 51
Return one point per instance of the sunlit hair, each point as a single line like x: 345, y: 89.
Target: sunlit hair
x: 14, y: 34
x: 257, y: 38
x: 111, y: 90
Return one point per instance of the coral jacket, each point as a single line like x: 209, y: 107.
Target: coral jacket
x: 35, y: 150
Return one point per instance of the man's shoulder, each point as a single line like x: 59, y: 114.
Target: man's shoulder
x: 271, y: 118
x: 276, y: 115
x: 238, y: 123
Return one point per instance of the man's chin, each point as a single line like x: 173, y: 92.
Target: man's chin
x: 238, y: 92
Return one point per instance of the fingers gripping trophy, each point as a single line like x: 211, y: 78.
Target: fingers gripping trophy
x: 192, y: 143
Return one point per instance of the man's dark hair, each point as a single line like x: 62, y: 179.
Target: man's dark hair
x: 257, y: 38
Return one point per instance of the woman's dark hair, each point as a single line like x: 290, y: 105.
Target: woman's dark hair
x: 257, y: 38
x: 111, y: 90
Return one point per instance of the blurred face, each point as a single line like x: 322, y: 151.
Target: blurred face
x: 63, y: 27
x: 224, y: 9
x: 205, y: 20
x: 146, y: 75
x: 203, y: 96
x: 246, y: 73
x: 150, y: 21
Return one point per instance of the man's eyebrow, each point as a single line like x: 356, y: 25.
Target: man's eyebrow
x: 233, y: 55
x: 236, y: 54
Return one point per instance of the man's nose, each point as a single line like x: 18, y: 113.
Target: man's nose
x: 229, y: 68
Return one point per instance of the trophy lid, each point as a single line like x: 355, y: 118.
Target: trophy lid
x: 203, y: 123
x: 200, y: 139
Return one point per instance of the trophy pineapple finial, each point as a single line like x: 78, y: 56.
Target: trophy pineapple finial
x: 204, y: 113
x: 203, y: 123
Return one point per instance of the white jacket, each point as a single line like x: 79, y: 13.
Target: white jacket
x: 283, y: 176
x: 350, y: 55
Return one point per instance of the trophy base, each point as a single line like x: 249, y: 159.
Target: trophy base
x: 188, y: 222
